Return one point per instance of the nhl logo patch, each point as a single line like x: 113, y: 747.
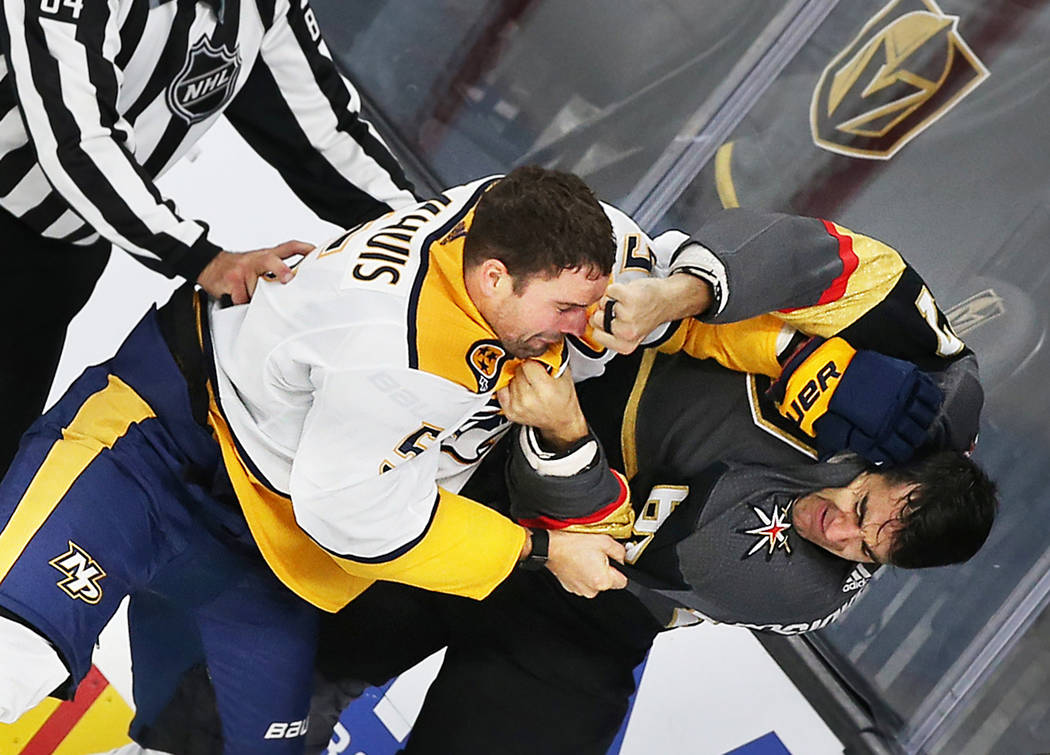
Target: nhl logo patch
x: 205, y: 82
x: 485, y: 359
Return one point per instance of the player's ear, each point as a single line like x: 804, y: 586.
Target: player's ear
x: 493, y: 277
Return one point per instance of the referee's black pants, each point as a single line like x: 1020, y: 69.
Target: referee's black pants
x: 530, y: 669
x: 46, y: 282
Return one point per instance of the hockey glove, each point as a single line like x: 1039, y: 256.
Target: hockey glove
x: 861, y: 401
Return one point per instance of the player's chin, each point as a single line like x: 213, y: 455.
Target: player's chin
x: 530, y: 348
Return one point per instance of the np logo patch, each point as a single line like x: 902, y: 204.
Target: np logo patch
x: 771, y: 532
x: 485, y: 359
x: 82, y: 574
x: 906, y: 68
x: 205, y: 82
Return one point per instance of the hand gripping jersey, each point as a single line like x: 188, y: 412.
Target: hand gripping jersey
x: 714, y: 468
x: 352, y: 404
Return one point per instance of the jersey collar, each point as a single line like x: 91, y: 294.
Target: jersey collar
x: 453, y: 339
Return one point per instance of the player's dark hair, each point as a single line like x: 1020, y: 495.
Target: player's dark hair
x: 948, y: 516
x: 540, y: 222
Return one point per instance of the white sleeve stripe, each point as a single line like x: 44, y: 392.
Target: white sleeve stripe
x: 698, y: 260
x: 288, y: 63
x: 109, y: 165
x: 555, y: 465
x: 29, y: 192
x: 115, y: 167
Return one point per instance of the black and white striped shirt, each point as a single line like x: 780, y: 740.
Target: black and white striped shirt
x: 99, y: 97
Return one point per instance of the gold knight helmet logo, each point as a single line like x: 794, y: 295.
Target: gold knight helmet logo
x: 906, y: 68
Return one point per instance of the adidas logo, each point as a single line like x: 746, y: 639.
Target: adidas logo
x: 856, y: 579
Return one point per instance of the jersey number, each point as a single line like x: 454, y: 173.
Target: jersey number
x: 52, y: 7
x: 413, y: 444
x: 636, y: 254
x: 948, y: 343
x: 663, y: 499
x: 312, y: 27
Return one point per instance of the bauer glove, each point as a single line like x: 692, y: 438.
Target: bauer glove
x: 860, y: 401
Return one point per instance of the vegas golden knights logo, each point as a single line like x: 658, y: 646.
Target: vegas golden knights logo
x: 975, y: 311
x: 82, y: 574
x: 485, y: 359
x: 906, y: 68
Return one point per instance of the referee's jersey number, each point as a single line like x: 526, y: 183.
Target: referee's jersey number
x: 63, y: 10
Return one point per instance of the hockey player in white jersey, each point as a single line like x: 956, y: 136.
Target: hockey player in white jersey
x: 323, y: 431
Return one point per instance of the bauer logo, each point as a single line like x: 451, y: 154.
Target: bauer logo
x: 205, y: 82
x: 906, y: 68
x: 82, y: 574
x: 287, y: 729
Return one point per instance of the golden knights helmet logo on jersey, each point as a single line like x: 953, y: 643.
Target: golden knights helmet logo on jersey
x: 205, y: 82
x: 82, y: 574
x: 905, y: 69
x: 485, y: 359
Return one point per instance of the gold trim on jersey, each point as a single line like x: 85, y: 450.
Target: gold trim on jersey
x: 102, y: 420
x: 449, y: 327
x: 467, y: 550
x: 628, y: 437
x: 745, y: 346
x: 879, y: 267
x: 770, y: 427
x: 301, y: 564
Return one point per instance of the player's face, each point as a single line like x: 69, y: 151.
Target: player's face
x: 531, y: 320
x: 857, y: 522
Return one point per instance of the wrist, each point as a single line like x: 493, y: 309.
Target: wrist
x: 687, y: 295
x: 538, y: 547
x: 196, y: 258
x: 560, y: 439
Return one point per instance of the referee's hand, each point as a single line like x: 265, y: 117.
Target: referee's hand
x: 236, y: 273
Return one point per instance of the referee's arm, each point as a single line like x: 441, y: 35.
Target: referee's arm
x: 303, y: 117
x: 60, y: 57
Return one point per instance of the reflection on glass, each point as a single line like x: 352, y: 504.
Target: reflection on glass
x: 592, y: 87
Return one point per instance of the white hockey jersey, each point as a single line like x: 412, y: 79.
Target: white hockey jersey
x: 353, y: 402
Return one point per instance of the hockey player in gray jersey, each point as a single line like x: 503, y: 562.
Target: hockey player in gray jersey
x: 744, y: 511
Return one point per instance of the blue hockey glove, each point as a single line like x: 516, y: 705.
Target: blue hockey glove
x: 861, y: 401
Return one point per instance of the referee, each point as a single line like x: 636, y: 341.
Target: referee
x: 97, y: 99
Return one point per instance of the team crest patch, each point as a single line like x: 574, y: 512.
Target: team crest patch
x: 485, y: 360
x: 82, y: 574
x: 906, y: 68
x: 771, y: 533
x: 205, y: 82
